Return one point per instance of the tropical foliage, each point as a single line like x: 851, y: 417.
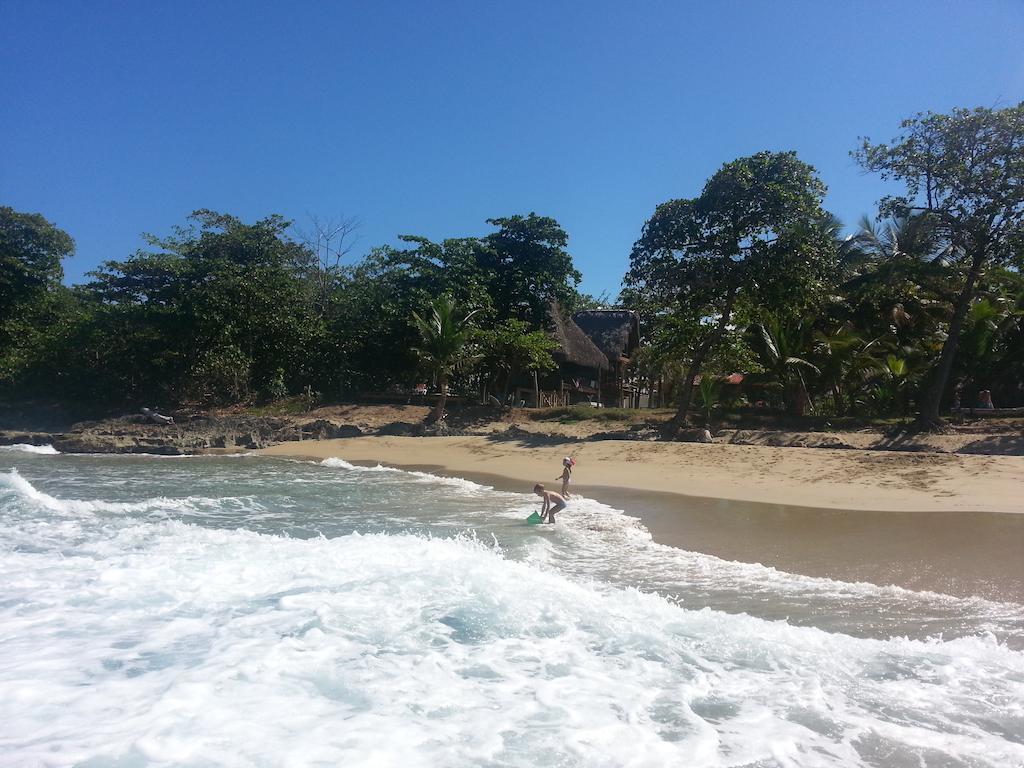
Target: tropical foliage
x: 918, y: 306
x: 444, y: 344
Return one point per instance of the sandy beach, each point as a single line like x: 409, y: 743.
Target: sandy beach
x: 806, y: 477
x: 941, y: 522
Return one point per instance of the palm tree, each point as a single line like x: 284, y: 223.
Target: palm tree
x: 848, y: 364
x: 835, y: 350
x: 892, y: 383
x: 981, y: 356
x: 780, y: 347
x: 444, y: 346
x: 897, y: 275
x: 708, y: 393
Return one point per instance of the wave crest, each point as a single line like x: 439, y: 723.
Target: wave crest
x: 39, y: 450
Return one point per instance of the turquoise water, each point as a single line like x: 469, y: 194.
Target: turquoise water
x: 249, y: 611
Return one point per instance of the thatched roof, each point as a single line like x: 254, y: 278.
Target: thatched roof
x: 616, y: 332
x: 573, y: 344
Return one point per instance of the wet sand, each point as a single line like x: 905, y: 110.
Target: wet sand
x: 956, y: 553
x: 955, y: 550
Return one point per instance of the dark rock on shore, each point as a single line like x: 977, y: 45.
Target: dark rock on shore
x: 26, y: 438
x: 188, y: 435
x: 322, y: 429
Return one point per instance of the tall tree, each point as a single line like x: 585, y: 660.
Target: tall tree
x: 896, y: 276
x: 212, y: 313
x: 454, y: 267
x: 529, y: 265
x: 327, y: 241
x: 31, y: 252
x: 965, y: 171
x: 758, y: 225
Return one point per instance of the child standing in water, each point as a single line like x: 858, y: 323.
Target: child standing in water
x: 567, y: 464
x: 553, y: 502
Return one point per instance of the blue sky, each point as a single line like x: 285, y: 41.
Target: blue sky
x: 428, y: 118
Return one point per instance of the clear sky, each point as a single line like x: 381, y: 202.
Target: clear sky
x: 430, y: 117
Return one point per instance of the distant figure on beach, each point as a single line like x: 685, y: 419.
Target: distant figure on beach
x: 985, y: 400
x: 567, y: 464
x: 553, y: 502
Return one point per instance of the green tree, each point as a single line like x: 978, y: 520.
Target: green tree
x: 511, y: 348
x: 965, y: 171
x: 783, y: 348
x: 891, y: 382
x: 528, y: 266
x: 445, y: 337
x: 370, y: 327
x: 31, y: 295
x: 454, y: 267
x: 843, y: 359
x: 211, y: 314
x: 984, y: 356
x: 708, y: 393
x: 896, y: 279
x: 31, y: 252
x: 757, y: 227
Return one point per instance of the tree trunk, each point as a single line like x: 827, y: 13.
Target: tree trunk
x: 929, y: 417
x: 679, y: 420
x: 442, y: 383
x: 504, y: 390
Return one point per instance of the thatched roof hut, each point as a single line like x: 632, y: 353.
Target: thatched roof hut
x: 574, y: 347
x: 616, y: 332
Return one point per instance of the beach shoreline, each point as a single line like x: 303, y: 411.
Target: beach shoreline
x: 820, y: 478
x: 942, y: 523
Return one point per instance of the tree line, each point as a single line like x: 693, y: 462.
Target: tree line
x: 920, y: 306
x: 222, y: 311
x: 917, y: 309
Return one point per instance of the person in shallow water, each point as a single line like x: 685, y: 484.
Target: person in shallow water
x: 567, y: 464
x: 553, y: 502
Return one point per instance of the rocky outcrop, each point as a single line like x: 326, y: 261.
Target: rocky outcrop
x: 88, y: 442
x: 322, y: 429
x: 194, y: 432
x: 398, y: 428
x: 785, y: 439
x: 189, y: 434
x: 25, y: 438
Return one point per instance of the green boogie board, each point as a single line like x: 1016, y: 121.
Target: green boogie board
x: 533, y: 519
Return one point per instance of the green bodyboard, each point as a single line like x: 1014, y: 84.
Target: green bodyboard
x: 533, y: 519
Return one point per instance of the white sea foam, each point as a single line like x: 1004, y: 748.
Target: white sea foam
x: 342, y: 464
x: 458, y: 483
x: 167, y: 643
x: 128, y: 637
x: 600, y: 541
x: 19, y: 485
x: 40, y: 450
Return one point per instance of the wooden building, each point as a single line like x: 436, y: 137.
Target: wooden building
x: 616, y: 333
x: 581, y: 367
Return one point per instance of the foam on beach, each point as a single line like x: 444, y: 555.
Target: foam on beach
x: 161, y: 629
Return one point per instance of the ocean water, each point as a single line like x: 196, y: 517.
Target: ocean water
x: 245, y: 611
